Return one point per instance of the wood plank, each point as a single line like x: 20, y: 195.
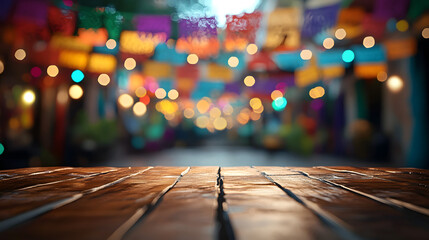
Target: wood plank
x: 8, y: 185
x: 388, y: 192
x: 24, y: 172
x: 260, y: 210
x: 365, y: 217
x: 24, y: 205
x: 397, y: 176
x: 187, y: 211
x: 99, y: 214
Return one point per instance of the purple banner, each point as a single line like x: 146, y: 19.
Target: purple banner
x: 198, y: 27
x: 153, y: 24
x: 318, y: 19
x: 5, y: 6
x: 233, y: 87
x: 31, y: 11
x: 386, y: 9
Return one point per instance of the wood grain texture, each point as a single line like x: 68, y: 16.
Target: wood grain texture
x: 214, y: 203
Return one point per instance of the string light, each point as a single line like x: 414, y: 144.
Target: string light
x: 255, y: 103
x: 111, y: 44
x: 233, y: 61
x: 125, y: 100
x: 103, y: 79
x: 173, y: 94
x: 77, y: 76
x: 52, y: 70
x: 317, y: 92
x: 368, y: 42
x: 249, y: 81
x: 75, y: 91
x: 28, y: 97
x: 160, y: 93
x: 306, y: 54
x: 20, y: 54
x: 252, y: 49
x: 279, y: 104
x: 276, y: 94
x: 220, y: 123
x: 328, y: 43
x: 402, y: 25
x: 348, y: 56
x: 188, y: 113
x: 140, y: 92
x: 192, y: 58
x: 395, y: 83
x: 425, y: 33
x: 130, y: 63
x: 139, y: 109
x: 381, y: 76
x: 340, y: 33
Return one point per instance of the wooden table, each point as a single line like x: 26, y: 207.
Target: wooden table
x: 214, y: 203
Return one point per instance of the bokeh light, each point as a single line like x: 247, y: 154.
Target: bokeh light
x: 160, y: 93
x: 227, y: 109
x: 249, y: 81
x: 306, y: 54
x: 328, y: 43
x: 203, y: 106
x: 255, y: 103
x: 368, y: 42
x: 402, y: 25
x: 28, y: 97
x: 103, y: 79
x: 340, y: 33
x: 125, y: 100
x: 233, y: 61
x: 52, y: 70
x: 1, y: 67
x: 395, y: 83
x: 173, y: 94
x: 140, y: 92
x: 202, y: 121
x: 20, y: 54
x: 77, y: 76
x: 252, y: 49
x: 348, y: 56
x: 36, y: 72
x: 425, y: 33
x: 130, y: 63
x: 192, y: 58
x: 111, y: 44
x: 276, y: 94
x: 188, y: 113
x: 75, y: 91
x: 220, y: 123
x: 381, y: 76
x: 62, y: 96
x: 279, y: 103
x: 139, y: 109
x: 215, y: 112
x: 316, y: 92
x: 1, y: 149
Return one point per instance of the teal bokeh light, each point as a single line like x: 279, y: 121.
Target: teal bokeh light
x: 279, y: 103
x: 77, y: 76
x: 348, y: 56
x: 1, y: 149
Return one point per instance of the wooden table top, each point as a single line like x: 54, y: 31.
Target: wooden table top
x: 214, y: 203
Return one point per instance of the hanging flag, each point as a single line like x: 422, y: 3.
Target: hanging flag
x: 319, y: 19
x: 331, y: 63
x: 307, y: 75
x: 386, y: 9
x: 369, y: 61
x: 283, y: 28
x: 101, y: 63
x: 157, y: 69
x: 241, y: 30
x: 155, y: 24
x: 164, y: 53
x: 198, y: 27
x: 93, y: 37
x: 400, y: 48
x: 288, y: 61
x: 61, y: 21
x: 73, y: 59
x: 219, y: 72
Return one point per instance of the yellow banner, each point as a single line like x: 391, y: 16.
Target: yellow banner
x: 400, y: 48
x: 73, y: 59
x: 69, y: 43
x: 307, y: 75
x: 101, y: 63
x: 157, y: 69
x: 369, y: 70
x: 333, y: 72
x: 283, y: 28
x: 218, y: 72
x: 140, y: 43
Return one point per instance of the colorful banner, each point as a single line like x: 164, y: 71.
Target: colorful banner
x: 31, y: 11
x: 283, y: 28
x: 73, y: 59
x: 157, y: 69
x: 140, y: 43
x: 154, y: 24
x: 374, y: 54
x: 368, y: 71
x: 101, y: 63
x: 68, y: 43
x: 318, y: 19
x: 61, y: 21
x: 400, y: 48
x: 261, y: 61
x: 93, y: 37
x: 288, y: 61
x: 163, y: 53
x: 241, y: 30
x: 207, y: 89
x: 307, y: 75
x: 386, y: 9
x: 219, y: 72
x: 198, y: 27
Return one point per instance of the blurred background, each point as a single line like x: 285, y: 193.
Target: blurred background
x: 214, y: 82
